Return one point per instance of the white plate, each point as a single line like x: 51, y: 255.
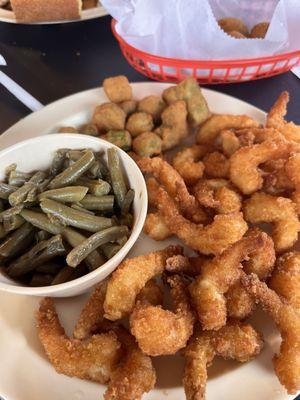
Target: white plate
x: 24, y: 369
x: 96, y: 12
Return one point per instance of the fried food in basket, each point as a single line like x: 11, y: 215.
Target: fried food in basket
x: 229, y: 24
x: 259, y: 30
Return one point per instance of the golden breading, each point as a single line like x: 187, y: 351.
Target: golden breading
x: 117, y: 89
x: 153, y: 105
x: 187, y: 163
x: 138, y: 123
x: 229, y: 24
x: 109, y: 116
x: 259, y: 30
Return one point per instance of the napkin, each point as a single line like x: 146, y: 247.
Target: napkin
x: 188, y: 29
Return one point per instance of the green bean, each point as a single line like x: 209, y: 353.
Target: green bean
x: 116, y: 176
x: 42, y: 235
x: 67, y: 274
x: 80, y: 252
x: 37, y: 255
x: 6, y: 190
x: 58, y: 162
x: 74, y: 155
x: 97, y: 170
x: 96, y: 187
x: 39, y: 280
x: 128, y: 200
x: 68, y: 194
x: 126, y: 220
x: 110, y: 249
x: 13, y: 222
x: 74, y: 238
x: 73, y: 172
x: 78, y: 207
x: 3, y: 232
x: 10, y: 212
x: 18, y: 178
x: 78, y: 219
x: 40, y: 221
x: 20, y: 195
x: 18, y: 241
x: 103, y: 203
x: 49, y: 268
x: 122, y: 240
x: 1, y: 205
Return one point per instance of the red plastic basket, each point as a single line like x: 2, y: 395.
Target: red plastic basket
x: 206, y: 71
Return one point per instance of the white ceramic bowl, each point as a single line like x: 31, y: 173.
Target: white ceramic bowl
x: 37, y: 153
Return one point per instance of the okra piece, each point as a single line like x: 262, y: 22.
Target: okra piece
x: 73, y: 172
x: 68, y: 194
x: 80, y: 252
x: 78, y: 219
x: 6, y: 190
x: 74, y: 238
x: 39, y: 254
x: 127, y: 203
x: 67, y: 274
x: 96, y: 187
x: 41, y: 221
x: 13, y: 222
x: 49, y: 268
x: 110, y: 249
x: 116, y: 176
x: 21, y: 194
x: 39, y: 280
x: 18, y: 241
x: 89, y: 129
x: 103, y: 203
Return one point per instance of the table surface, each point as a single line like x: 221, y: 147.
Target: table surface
x: 54, y: 61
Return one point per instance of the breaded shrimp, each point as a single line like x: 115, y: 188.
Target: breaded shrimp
x: 237, y: 341
x: 287, y: 319
x: 229, y: 142
x: 187, y: 163
x: 187, y: 265
x: 275, y: 119
x: 167, y: 176
x: 131, y: 276
x: 159, y: 331
x: 94, y: 358
x: 218, y: 122
x: 292, y: 168
x: 217, y: 276
x: 211, y: 239
x: 216, y: 165
x: 285, y: 279
x: 155, y: 227
x: 280, y: 212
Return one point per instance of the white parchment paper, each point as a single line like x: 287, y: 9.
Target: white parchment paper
x: 188, y: 29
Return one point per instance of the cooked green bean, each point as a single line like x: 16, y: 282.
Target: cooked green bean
x: 126, y: 220
x: 49, y: 268
x: 39, y: 280
x: 80, y: 252
x: 103, y: 203
x: 96, y: 187
x: 10, y: 212
x: 128, y: 200
x: 20, y: 195
x: 110, y: 249
x: 67, y: 194
x: 78, y: 207
x: 74, y: 238
x: 37, y: 255
x: 40, y: 221
x: 6, y: 190
x: 122, y: 240
x: 67, y: 274
x: 58, y: 162
x: 97, y: 170
x: 18, y: 178
x: 73, y: 172
x: 74, y: 155
x: 13, y: 222
x: 18, y: 241
x: 3, y: 232
x: 78, y: 219
x: 1, y: 205
x: 116, y: 176
x: 42, y: 235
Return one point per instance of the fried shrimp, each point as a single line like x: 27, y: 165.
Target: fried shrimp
x: 275, y: 119
x: 216, y: 165
x: 217, y: 276
x: 155, y: 227
x: 187, y: 163
x: 285, y: 279
x: 167, y: 176
x: 292, y: 168
x: 187, y: 265
x: 229, y: 142
x: 287, y: 319
x: 94, y: 358
x: 159, y: 331
x: 209, y: 131
x: 211, y: 239
x: 237, y: 341
x: 280, y: 212
x: 131, y: 276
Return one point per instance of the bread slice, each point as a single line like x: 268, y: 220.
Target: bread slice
x: 46, y: 10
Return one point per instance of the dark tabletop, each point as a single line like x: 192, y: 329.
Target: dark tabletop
x: 54, y: 61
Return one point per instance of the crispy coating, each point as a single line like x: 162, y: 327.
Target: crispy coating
x: 153, y: 105
x: 216, y: 165
x: 209, y: 131
x: 292, y: 168
x: 285, y: 279
x: 229, y: 24
x: 151, y: 293
x: 276, y: 179
x: 237, y: 341
x: 109, y: 116
x: 217, y: 276
x: 259, y: 30
x: 188, y: 265
x: 94, y: 358
x: 131, y: 276
x: 174, y: 124
x: 229, y: 142
x: 156, y: 228
x: 139, y: 122
x: 187, y: 163
x: 128, y: 106
x: 275, y: 119
x: 211, y: 239
x: 239, y: 303
x: 236, y: 34
x: 117, y: 89
x: 244, y: 163
x: 147, y: 144
x: 159, y: 331
x: 167, y: 176
x: 152, y: 188
x: 280, y: 212
x: 287, y: 319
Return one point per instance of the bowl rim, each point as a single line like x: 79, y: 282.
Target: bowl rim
x: 51, y: 290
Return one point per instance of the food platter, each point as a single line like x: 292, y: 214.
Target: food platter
x: 25, y: 371
x: 96, y: 12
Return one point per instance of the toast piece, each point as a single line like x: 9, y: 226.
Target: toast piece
x: 51, y: 10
